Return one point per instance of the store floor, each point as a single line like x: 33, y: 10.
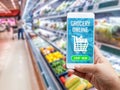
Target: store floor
x: 14, y: 68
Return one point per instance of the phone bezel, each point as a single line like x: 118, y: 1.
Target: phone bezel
x: 80, y: 15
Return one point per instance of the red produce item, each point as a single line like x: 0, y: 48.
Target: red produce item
x: 62, y: 79
x: 69, y: 74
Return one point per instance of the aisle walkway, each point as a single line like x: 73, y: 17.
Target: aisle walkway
x: 14, y: 69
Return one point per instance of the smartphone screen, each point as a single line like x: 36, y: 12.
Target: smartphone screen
x: 80, y: 38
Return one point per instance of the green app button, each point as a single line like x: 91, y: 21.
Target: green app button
x: 78, y: 57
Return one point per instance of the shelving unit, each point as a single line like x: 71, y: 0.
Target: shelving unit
x: 51, y: 43
x: 96, y: 8
x: 108, y: 45
x: 49, y: 79
x: 60, y: 32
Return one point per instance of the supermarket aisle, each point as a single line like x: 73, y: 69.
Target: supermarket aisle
x: 14, y: 70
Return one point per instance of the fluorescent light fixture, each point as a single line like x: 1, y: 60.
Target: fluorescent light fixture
x: 13, y: 3
x: 5, y: 8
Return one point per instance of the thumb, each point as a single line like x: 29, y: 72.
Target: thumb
x: 86, y: 68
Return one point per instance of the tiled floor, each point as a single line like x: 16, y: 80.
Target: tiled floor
x: 14, y: 69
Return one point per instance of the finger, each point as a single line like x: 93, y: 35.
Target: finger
x: 70, y: 71
x: 96, y: 49
x: 86, y: 68
x: 82, y: 75
x: 98, y: 56
x: 89, y: 76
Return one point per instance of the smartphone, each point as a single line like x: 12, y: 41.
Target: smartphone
x: 80, y: 39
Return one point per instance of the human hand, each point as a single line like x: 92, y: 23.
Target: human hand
x: 100, y: 74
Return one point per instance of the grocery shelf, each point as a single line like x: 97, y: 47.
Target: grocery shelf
x: 49, y: 79
x: 51, y: 16
x: 96, y: 8
x: 115, y: 8
x: 109, y: 48
x: 62, y: 51
x: 58, y: 32
x: 108, y: 45
x: 39, y: 5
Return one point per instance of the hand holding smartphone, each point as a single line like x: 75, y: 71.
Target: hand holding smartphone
x: 80, y: 39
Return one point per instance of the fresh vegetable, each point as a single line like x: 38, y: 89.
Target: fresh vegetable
x: 80, y: 87
x: 62, y: 79
x: 54, y: 56
x: 74, y: 86
x: 58, y: 67
x: 71, y: 81
x: 47, y: 50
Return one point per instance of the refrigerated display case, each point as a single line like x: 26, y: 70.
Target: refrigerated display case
x: 48, y: 40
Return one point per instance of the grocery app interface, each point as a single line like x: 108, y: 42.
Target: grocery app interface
x: 80, y: 40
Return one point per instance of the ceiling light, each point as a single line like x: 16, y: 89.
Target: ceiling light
x: 13, y: 3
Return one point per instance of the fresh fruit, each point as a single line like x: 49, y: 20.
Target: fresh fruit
x: 47, y: 50
x: 71, y: 81
x: 62, y: 79
x: 54, y: 56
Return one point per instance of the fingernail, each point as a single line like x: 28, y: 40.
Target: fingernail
x: 71, y: 71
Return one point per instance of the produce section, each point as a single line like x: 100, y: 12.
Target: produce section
x: 56, y: 61
x: 49, y: 36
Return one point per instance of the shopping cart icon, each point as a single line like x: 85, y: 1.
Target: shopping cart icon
x: 80, y: 44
